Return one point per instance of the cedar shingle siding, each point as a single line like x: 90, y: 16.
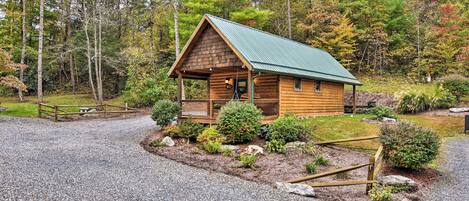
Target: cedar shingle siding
x: 210, y: 51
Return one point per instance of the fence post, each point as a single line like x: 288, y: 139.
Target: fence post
x: 371, y: 169
x: 39, y: 110
x: 126, y: 106
x: 56, y: 117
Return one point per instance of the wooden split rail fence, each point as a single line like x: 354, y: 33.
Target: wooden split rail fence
x: 374, y: 166
x: 56, y: 112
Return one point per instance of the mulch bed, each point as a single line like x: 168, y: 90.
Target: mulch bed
x: 271, y: 167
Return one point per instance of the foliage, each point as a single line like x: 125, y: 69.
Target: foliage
x: 251, y: 16
x: 172, y: 131
x: 228, y: 152
x: 412, y: 102
x: 457, y: 85
x: 310, y: 167
x: 210, y: 134
x: 321, y: 160
x: 248, y: 160
x: 7, y: 68
x: 156, y: 143
x: 276, y: 146
x: 190, y: 129
x: 164, y: 111
x: 381, y: 193
x: 407, y: 145
x: 442, y: 99
x: 288, y: 128
x: 239, y: 122
x: 382, y: 111
x: 212, y: 147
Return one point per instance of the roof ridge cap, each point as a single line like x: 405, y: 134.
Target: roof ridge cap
x: 258, y: 30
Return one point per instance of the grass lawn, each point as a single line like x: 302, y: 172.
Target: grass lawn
x: 347, y: 126
x: 29, y: 107
x: 390, y: 85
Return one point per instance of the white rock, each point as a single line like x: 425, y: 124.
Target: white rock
x: 389, y: 120
x: 296, y: 144
x: 230, y: 147
x: 398, y: 181
x: 458, y: 110
x: 168, y: 141
x: 254, y: 149
x: 299, y: 189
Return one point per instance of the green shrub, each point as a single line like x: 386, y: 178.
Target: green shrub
x: 248, y: 160
x: 212, y: 147
x: 190, y: 129
x: 164, y: 111
x: 239, y: 122
x: 276, y: 146
x: 210, y: 134
x: 320, y: 160
x: 412, y: 102
x: 288, y: 128
x: 310, y: 167
x: 409, y: 146
x: 442, y: 99
x: 380, y: 193
x: 457, y: 85
x: 228, y: 152
x: 172, y: 131
x: 156, y: 143
x: 382, y: 111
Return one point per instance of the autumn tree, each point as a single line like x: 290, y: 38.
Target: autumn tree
x: 7, y: 70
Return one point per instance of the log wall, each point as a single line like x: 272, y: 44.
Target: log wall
x: 308, y: 102
x: 265, y: 85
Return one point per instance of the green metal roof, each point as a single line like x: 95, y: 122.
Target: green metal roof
x: 267, y: 52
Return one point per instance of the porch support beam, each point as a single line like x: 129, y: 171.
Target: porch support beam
x: 354, y: 99
x: 250, y: 87
x: 179, y: 95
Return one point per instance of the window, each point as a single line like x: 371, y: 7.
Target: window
x: 317, y: 86
x: 297, y: 84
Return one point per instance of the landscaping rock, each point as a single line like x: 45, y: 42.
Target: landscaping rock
x: 2, y: 109
x: 400, y: 182
x: 230, y: 147
x: 389, y: 120
x: 299, y: 189
x: 167, y: 141
x: 254, y: 149
x: 459, y: 110
x: 295, y: 145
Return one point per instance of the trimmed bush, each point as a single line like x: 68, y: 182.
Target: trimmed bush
x: 310, y: 167
x: 248, y: 160
x: 172, y: 131
x: 382, y: 111
x: 190, y: 130
x: 457, y: 85
x: 212, y: 147
x: 210, y: 134
x: 164, y: 111
x: 407, y: 145
x: 288, y: 128
x: 239, y: 122
x: 277, y: 146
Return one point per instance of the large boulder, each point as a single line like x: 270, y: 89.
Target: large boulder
x: 459, y: 110
x: 299, y: 189
x: 400, y: 183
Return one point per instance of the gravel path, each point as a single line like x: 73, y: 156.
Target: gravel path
x: 454, y: 184
x: 102, y: 160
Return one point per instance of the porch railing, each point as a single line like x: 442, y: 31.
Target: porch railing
x: 211, y: 107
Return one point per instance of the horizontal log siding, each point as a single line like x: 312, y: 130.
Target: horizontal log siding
x: 210, y: 51
x: 308, y: 102
x: 265, y: 86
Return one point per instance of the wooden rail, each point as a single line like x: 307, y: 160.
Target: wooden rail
x: 374, y: 166
x: 56, y: 111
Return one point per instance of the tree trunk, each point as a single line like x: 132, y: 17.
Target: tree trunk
x: 69, y: 36
x: 100, y: 69
x: 176, y: 37
x: 289, y: 18
x: 96, y: 54
x: 39, y: 52
x: 88, y: 53
x: 23, y: 48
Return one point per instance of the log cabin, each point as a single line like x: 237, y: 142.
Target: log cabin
x: 276, y: 74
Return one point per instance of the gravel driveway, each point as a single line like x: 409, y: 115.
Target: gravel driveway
x: 102, y: 160
x: 454, y: 184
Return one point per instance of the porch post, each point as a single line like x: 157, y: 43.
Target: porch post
x: 354, y: 100
x: 179, y: 96
x: 250, y: 87
x: 209, y: 103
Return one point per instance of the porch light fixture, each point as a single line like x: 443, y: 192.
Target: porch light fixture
x: 229, y: 83
x: 210, y: 69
